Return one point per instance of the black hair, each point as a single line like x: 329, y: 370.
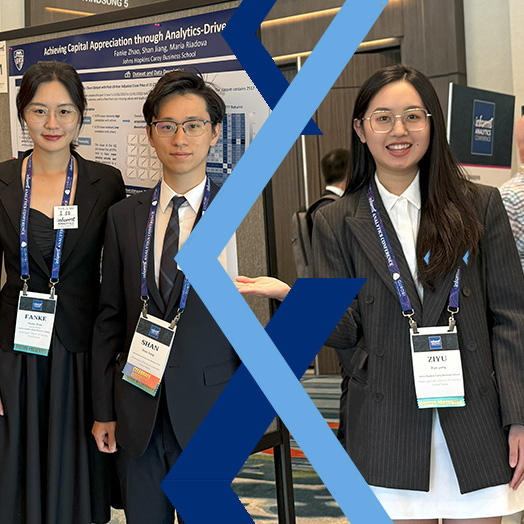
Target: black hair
x: 335, y: 166
x: 449, y: 224
x: 182, y: 83
x: 51, y: 71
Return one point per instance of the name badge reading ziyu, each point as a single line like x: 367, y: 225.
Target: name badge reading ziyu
x: 34, y: 323
x: 437, y: 368
x: 65, y: 217
x: 149, y: 353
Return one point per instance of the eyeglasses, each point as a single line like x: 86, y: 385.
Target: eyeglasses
x: 191, y: 128
x: 413, y: 119
x: 40, y: 114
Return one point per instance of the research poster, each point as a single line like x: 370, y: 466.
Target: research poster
x: 120, y: 67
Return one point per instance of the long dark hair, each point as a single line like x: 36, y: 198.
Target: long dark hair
x: 449, y: 224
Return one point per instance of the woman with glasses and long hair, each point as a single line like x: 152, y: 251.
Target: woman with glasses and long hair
x: 53, y: 206
x: 435, y: 407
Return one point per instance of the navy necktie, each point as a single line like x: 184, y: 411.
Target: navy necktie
x: 168, y: 266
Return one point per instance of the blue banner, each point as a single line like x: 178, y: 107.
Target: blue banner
x: 183, y: 40
x: 483, y: 128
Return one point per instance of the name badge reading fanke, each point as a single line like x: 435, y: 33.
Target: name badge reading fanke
x: 34, y: 323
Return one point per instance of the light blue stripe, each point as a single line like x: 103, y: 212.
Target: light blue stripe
x: 198, y: 256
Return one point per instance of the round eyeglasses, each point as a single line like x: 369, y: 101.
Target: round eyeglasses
x: 413, y: 119
x: 191, y: 128
x: 40, y: 114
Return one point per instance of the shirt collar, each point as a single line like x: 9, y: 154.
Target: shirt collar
x: 411, y: 194
x: 336, y: 190
x: 193, y: 197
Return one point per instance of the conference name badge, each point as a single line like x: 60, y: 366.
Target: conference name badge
x: 149, y: 353
x: 437, y: 367
x: 34, y: 323
x: 65, y: 217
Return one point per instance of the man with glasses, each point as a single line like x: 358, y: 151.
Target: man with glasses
x: 160, y: 361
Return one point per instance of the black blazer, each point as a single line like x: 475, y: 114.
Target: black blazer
x: 387, y: 436
x: 328, y: 197
x: 98, y: 187
x: 201, y: 361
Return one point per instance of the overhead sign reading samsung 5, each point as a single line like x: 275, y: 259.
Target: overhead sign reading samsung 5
x: 47, y: 11
x: 113, y: 3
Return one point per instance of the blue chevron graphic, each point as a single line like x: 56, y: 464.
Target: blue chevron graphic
x: 213, y: 458
x: 465, y: 257
x: 198, y: 259
x: 257, y: 62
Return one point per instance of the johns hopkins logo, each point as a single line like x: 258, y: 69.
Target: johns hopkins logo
x: 154, y: 332
x: 435, y: 343
x: 18, y: 57
x: 483, y: 128
x: 37, y: 305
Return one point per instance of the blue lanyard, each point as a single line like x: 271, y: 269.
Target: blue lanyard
x: 407, y: 310
x: 24, y: 221
x: 147, y: 249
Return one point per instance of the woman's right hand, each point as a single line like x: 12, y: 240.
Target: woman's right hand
x: 264, y: 287
x: 1, y: 408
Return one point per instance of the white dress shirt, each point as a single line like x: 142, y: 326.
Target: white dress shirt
x: 187, y: 214
x: 404, y: 212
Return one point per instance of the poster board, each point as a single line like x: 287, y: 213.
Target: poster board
x: 120, y: 66
x: 480, y: 132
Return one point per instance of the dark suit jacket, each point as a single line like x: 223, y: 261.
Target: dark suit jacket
x: 388, y: 437
x: 201, y: 361
x: 98, y: 187
x: 328, y: 197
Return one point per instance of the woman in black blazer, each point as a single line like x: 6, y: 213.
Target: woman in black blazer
x: 50, y: 471
x: 408, y: 196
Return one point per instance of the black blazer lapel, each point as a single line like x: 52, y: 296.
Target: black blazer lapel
x: 435, y: 302
x: 141, y: 217
x: 12, y: 193
x: 364, y: 230
x: 11, y: 198
x: 85, y: 198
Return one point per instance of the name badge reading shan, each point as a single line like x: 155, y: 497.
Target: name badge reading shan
x: 34, y: 323
x: 65, y: 217
x: 437, y: 368
x: 148, y: 353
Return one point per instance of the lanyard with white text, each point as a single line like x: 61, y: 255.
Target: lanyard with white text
x: 147, y: 248
x: 24, y: 221
x: 407, y: 310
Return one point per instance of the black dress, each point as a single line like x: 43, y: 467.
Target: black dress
x: 51, y: 471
